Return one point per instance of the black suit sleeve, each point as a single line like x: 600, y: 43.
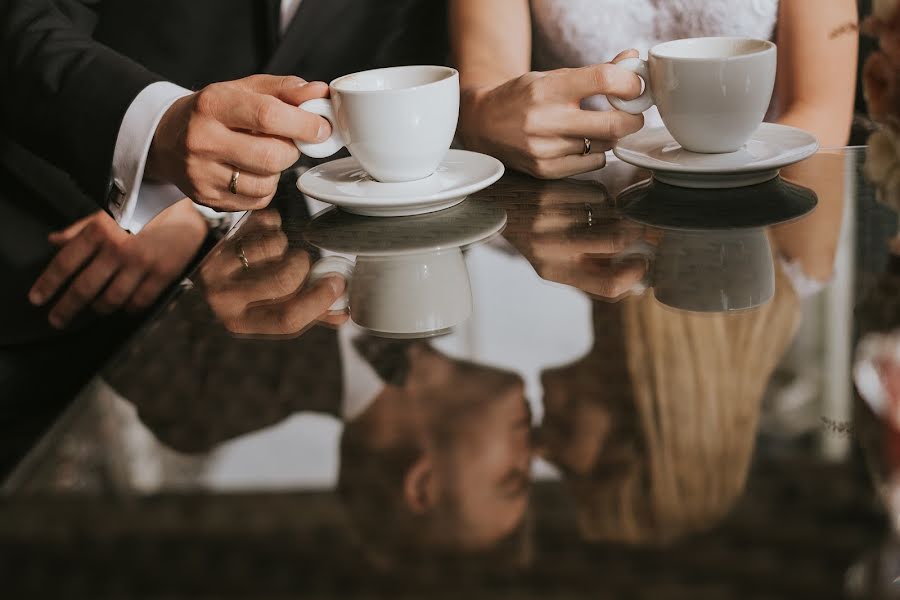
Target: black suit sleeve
x: 62, y: 94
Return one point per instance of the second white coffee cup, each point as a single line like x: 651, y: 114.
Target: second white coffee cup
x: 397, y: 122
x: 712, y: 93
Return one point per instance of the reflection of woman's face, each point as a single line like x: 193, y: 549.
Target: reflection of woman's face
x: 588, y: 427
x: 484, y: 463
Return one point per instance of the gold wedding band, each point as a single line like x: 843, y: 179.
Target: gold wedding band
x: 587, y: 147
x: 590, y: 213
x: 232, y: 187
x: 242, y: 256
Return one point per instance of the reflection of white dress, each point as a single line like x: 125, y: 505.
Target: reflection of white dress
x: 574, y: 33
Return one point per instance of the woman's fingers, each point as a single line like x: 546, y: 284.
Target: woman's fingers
x: 632, y: 53
x: 604, y: 79
x: 603, y: 278
x: 609, y: 125
x: 565, y: 166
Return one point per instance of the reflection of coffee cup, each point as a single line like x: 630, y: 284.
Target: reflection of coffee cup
x: 714, y: 271
x: 712, y: 93
x: 397, y: 122
x: 408, y: 295
x: 411, y: 295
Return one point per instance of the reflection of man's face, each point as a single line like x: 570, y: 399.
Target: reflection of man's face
x: 483, y: 466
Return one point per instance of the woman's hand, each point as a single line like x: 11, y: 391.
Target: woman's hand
x: 256, y: 284
x: 101, y: 265
x: 534, y: 123
x: 571, y: 237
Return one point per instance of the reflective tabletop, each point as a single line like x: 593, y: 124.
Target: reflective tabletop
x: 603, y: 387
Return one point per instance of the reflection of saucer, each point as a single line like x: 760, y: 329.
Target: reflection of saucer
x: 460, y: 226
x: 671, y: 207
x: 344, y: 183
x: 769, y: 149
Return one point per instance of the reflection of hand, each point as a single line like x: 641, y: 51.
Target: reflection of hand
x: 535, y: 124
x: 267, y: 294
x: 572, y: 238
x: 247, y: 125
x: 114, y: 268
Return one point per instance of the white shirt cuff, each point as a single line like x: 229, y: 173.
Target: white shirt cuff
x: 137, y: 201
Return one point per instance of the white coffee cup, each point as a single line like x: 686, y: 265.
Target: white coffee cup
x: 714, y: 271
x: 712, y: 93
x: 403, y: 296
x: 397, y: 122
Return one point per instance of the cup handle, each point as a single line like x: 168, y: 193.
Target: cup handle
x: 324, y: 108
x: 334, y: 265
x: 645, y: 100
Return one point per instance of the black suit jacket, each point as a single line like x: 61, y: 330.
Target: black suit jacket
x: 71, y: 68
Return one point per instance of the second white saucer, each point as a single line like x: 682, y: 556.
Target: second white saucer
x: 771, y: 148
x: 345, y: 184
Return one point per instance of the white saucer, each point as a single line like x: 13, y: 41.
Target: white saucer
x: 461, y: 227
x: 769, y: 149
x: 344, y: 183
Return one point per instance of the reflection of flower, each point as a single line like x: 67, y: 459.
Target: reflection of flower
x: 885, y: 25
x: 877, y: 374
x: 881, y: 84
x: 883, y: 165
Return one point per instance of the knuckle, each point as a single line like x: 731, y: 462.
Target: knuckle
x: 195, y: 137
x: 270, y: 186
x: 207, y: 99
x: 266, y: 117
x: 541, y: 169
x: 531, y: 122
x: 112, y: 297
x: 259, y: 203
x: 599, y: 75
x: 534, y: 91
x: 267, y: 159
x: 532, y: 147
x: 63, y: 266
x: 80, y: 291
x: 141, y: 259
x: 275, y: 246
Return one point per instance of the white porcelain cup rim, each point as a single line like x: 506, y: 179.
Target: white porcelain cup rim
x: 324, y: 107
x: 448, y: 72
x: 665, y: 51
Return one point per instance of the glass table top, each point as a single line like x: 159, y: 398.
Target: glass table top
x: 598, y: 387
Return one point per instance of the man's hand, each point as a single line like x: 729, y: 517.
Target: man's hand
x: 257, y: 285
x: 535, y: 123
x: 248, y: 125
x: 101, y: 265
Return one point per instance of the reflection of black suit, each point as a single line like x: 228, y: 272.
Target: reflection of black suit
x: 71, y: 68
x: 69, y: 71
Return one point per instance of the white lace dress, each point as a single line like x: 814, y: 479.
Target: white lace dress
x: 574, y: 33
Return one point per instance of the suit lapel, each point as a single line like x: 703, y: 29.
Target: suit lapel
x: 314, y: 18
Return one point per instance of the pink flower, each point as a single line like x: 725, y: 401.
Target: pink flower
x: 885, y: 25
x: 881, y: 85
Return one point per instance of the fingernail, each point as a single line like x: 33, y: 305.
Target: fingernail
x: 56, y: 321
x: 337, y: 284
x: 324, y: 132
x: 35, y: 297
